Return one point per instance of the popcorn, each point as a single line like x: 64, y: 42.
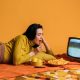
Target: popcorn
x: 58, y: 62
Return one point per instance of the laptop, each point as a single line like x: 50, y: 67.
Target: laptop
x: 73, y: 48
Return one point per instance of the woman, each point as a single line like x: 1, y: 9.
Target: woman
x: 24, y: 47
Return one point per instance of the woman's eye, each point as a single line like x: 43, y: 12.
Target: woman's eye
x: 39, y: 34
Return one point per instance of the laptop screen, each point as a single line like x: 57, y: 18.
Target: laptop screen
x: 73, y: 48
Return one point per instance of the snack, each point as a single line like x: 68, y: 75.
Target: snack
x: 58, y: 62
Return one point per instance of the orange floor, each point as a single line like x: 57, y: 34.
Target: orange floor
x: 10, y: 71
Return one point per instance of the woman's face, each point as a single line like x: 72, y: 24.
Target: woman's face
x: 38, y: 37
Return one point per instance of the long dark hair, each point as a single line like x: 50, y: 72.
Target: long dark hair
x: 31, y: 31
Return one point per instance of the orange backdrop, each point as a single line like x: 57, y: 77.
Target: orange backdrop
x: 60, y: 18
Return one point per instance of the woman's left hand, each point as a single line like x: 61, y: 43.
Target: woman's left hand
x: 38, y: 49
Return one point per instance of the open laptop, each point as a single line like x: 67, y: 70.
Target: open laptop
x: 73, y: 48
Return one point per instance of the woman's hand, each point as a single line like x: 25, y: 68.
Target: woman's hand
x: 35, y: 51
x: 43, y: 40
x: 45, y: 44
x: 48, y: 50
x: 38, y: 49
x: 32, y: 53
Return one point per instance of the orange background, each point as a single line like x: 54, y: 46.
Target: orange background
x: 60, y: 19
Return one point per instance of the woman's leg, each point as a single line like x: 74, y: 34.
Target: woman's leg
x: 1, y: 52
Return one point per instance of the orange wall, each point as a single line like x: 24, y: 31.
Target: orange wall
x: 60, y: 18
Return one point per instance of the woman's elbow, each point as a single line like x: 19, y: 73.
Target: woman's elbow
x: 16, y: 63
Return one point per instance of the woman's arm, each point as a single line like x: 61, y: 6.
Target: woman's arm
x: 20, y: 55
x: 48, y: 49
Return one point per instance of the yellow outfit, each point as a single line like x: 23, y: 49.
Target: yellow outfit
x: 17, y: 51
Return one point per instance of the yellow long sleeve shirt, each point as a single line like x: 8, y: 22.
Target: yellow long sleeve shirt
x: 17, y: 50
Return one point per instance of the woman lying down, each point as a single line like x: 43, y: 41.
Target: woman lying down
x: 28, y: 48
